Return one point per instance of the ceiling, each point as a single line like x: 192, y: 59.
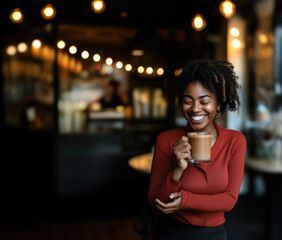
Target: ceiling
x: 163, y: 28
x: 138, y: 12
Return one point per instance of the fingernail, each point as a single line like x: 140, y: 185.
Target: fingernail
x: 171, y: 196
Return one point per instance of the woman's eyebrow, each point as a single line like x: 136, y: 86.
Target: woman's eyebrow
x: 203, y: 96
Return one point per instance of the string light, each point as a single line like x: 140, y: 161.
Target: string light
x: 119, y: 64
x: 140, y: 69
x: 98, y: 6
x: 48, y: 12
x: 160, y: 71
x: 96, y: 57
x: 36, y: 43
x: 16, y: 16
x: 11, y: 50
x: 128, y: 67
x: 109, y: 61
x: 85, y: 54
x: 72, y: 49
x: 149, y: 70
x: 61, y: 44
x: 227, y: 8
x: 22, y: 47
x: 199, y: 22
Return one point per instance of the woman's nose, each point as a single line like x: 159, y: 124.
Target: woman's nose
x: 196, y: 107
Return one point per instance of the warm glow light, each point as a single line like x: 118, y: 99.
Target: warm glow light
x: 48, y: 12
x: 234, y: 32
x: 263, y: 38
x: 22, y: 47
x: 11, y: 50
x: 85, y: 54
x: 149, y: 70
x: 119, y: 64
x: 61, y: 44
x: 160, y: 71
x: 16, y: 16
x: 123, y: 14
x: 177, y: 72
x: 98, y: 6
x: 128, y: 67
x: 137, y: 52
x: 227, y: 8
x: 96, y: 57
x: 36, y: 43
x: 140, y: 69
x: 236, y: 43
x: 199, y: 22
x: 72, y: 49
x: 109, y: 61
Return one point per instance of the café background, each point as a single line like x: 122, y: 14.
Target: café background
x: 71, y: 121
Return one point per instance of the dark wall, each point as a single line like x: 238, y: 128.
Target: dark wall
x: 28, y: 174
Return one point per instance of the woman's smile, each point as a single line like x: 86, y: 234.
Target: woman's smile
x: 197, y: 118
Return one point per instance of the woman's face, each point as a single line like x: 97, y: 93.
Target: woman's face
x: 199, y: 107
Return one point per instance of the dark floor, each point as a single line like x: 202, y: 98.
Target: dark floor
x: 117, y: 209
x: 244, y: 222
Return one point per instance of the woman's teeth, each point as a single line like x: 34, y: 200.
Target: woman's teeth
x: 197, y: 118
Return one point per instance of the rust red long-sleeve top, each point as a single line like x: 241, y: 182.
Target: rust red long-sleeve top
x: 208, y: 189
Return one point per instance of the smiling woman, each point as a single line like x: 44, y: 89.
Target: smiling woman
x: 194, y: 196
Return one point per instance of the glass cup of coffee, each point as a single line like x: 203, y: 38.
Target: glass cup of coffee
x: 200, y: 146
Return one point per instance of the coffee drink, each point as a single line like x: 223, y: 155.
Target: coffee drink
x: 200, y: 146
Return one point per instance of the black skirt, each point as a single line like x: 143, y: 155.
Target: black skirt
x: 170, y: 229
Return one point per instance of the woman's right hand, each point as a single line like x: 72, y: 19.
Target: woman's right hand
x: 182, y: 152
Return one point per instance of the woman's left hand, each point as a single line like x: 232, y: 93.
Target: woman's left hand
x: 170, y: 207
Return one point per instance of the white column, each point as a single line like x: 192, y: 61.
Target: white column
x: 237, y: 56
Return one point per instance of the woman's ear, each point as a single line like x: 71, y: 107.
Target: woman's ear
x: 218, y: 107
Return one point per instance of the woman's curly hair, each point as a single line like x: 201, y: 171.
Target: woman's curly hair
x: 217, y: 77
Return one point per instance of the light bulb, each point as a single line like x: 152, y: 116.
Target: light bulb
x: 234, y: 32
x: 128, y: 67
x: 140, y: 69
x: 160, y: 71
x: 61, y: 44
x: 36, y: 43
x: 72, y: 49
x: 109, y: 61
x: 98, y: 6
x: 96, y: 57
x: 85, y: 54
x: 236, y: 43
x: 119, y: 64
x: 149, y: 70
x: 11, y: 50
x: 199, y: 22
x: 22, y: 47
x: 227, y: 8
x: 48, y: 12
x: 16, y: 16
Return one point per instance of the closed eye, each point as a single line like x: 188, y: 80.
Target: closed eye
x: 187, y: 102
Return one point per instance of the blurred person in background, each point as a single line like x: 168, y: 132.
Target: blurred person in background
x: 113, y: 96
